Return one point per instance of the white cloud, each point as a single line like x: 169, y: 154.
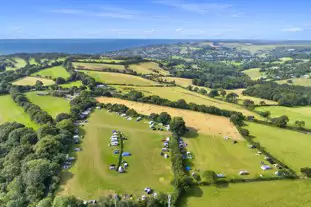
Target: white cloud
x: 292, y: 29
x: 200, y: 8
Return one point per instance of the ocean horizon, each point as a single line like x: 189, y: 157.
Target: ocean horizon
x: 76, y: 46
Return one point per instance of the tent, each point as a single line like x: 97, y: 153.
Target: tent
x: 126, y: 154
x: 188, y: 168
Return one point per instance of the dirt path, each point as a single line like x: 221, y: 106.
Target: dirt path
x: 203, y: 123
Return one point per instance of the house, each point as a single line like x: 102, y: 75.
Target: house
x: 265, y: 167
x: 243, y: 172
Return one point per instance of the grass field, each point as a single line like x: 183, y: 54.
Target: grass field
x: 53, y: 72
x: 10, y: 111
x: 71, y: 84
x: 184, y: 82
x: 32, y: 61
x: 221, y: 156
x: 253, y: 73
x: 293, y: 113
x: 104, y: 60
x: 90, y: 177
x: 30, y: 81
x: 52, y: 105
x: 19, y: 63
x: 148, y: 68
x: 118, y: 78
x: 97, y: 66
x: 297, y: 81
x: 286, y: 59
x: 176, y: 93
x: 203, y: 123
x: 285, y: 193
x: 255, y: 99
x: 290, y: 147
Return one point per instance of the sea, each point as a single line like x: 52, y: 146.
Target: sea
x: 76, y: 46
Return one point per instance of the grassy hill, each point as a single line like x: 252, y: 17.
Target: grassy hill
x: 97, y: 66
x: 30, y: 81
x: 53, y: 72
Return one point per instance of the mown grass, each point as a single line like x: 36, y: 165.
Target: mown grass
x: 293, y: 113
x: 52, y: 105
x: 30, y: 81
x: 97, y: 66
x: 118, y: 78
x: 53, y: 72
x: 91, y: 178
x: 148, y: 68
x: 285, y: 193
x: 72, y: 84
x: 10, y: 112
x: 253, y: 73
x: 290, y: 147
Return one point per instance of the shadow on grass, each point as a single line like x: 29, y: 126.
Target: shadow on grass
x: 65, y: 176
x: 195, y: 191
x: 192, y: 133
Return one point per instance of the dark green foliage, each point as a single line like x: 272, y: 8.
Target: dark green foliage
x: 210, y: 177
x: 306, y: 171
x: 131, y: 112
x: 62, y: 201
x: 249, y: 104
x: 280, y: 121
x: 47, y: 129
x: 300, y: 124
x: 62, y: 116
x: 213, y: 93
x: 232, y: 97
x: 236, y: 120
x: 178, y: 126
x: 153, y: 116
x: 164, y: 118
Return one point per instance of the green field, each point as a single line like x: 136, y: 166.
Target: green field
x: 184, y: 82
x: 286, y: 59
x: 30, y: 81
x: 90, y: 177
x: 253, y: 73
x: 97, y: 66
x: 297, y: 81
x: 53, y: 72
x: 285, y: 193
x: 104, y: 60
x: 52, y: 105
x: 10, y: 111
x: 290, y: 147
x: 18, y: 63
x: 118, y: 78
x: 293, y: 113
x: 176, y: 93
x: 148, y: 68
x: 32, y: 61
x: 221, y: 156
x: 72, y: 84
x: 255, y: 99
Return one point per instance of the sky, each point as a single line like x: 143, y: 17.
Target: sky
x: 156, y: 19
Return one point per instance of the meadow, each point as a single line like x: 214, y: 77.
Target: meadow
x: 148, y: 68
x: 203, y: 123
x: 104, y: 60
x: 290, y: 147
x: 255, y: 99
x: 90, y: 176
x: 19, y: 63
x: 118, y: 78
x: 53, y: 72
x: 52, y: 105
x: 10, y: 112
x: 72, y: 84
x: 293, y: 113
x: 184, y: 82
x: 30, y: 81
x: 32, y: 61
x: 253, y: 73
x: 97, y: 66
x: 297, y: 81
x: 177, y: 93
x: 285, y: 193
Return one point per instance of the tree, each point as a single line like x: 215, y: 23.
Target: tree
x: 60, y: 80
x: 131, y: 112
x: 202, y: 91
x: 62, y: 201
x: 262, y: 103
x: 47, y: 129
x: 47, y: 202
x: 164, y: 118
x: 300, y: 124
x: 306, y: 171
x: 280, y: 121
x: 236, y: 120
x: 223, y: 93
x: 265, y: 114
x: 249, y: 104
x: 39, y: 83
x: 213, y: 93
x: 178, y: 126
x: 66, y: 124
x: 210, y: 177
x: 244, y: 132
x: 153, y: 116
x: 232, y: 97
x: 62, y: 116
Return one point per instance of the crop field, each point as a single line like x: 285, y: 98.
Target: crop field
x: 290, y: 147
x: 297, y: 81
x: 10, y: 112
x: 184, y: 82
x: 285, y: 193
x: 293, y: 113
x: 148, y: 68
x: 118, y: 78
x: 72, y: 84
x: 52, y: 105
x: 203, y: 123
x: 255, y: 99
x: 97, y: 66
x: 286, y: 59
x: 176, y: 93
x: 104, y: 60
x: 90, y: 176
x: 53, y: 72
x: 222, y: 156
x: 253, y: 73
x: 19, y: 63
x: 30, y: 81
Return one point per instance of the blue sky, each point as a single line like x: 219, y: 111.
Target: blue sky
x: 180, y: 19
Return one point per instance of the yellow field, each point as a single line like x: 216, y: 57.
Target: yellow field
x: 256, y: 100
x: 97, y: 66
x: 148, y: 68
x: 184, y: 82
x: 118, y: 78
x: 203, y: 123
x: 176, y: 93
x: 30, y: 81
